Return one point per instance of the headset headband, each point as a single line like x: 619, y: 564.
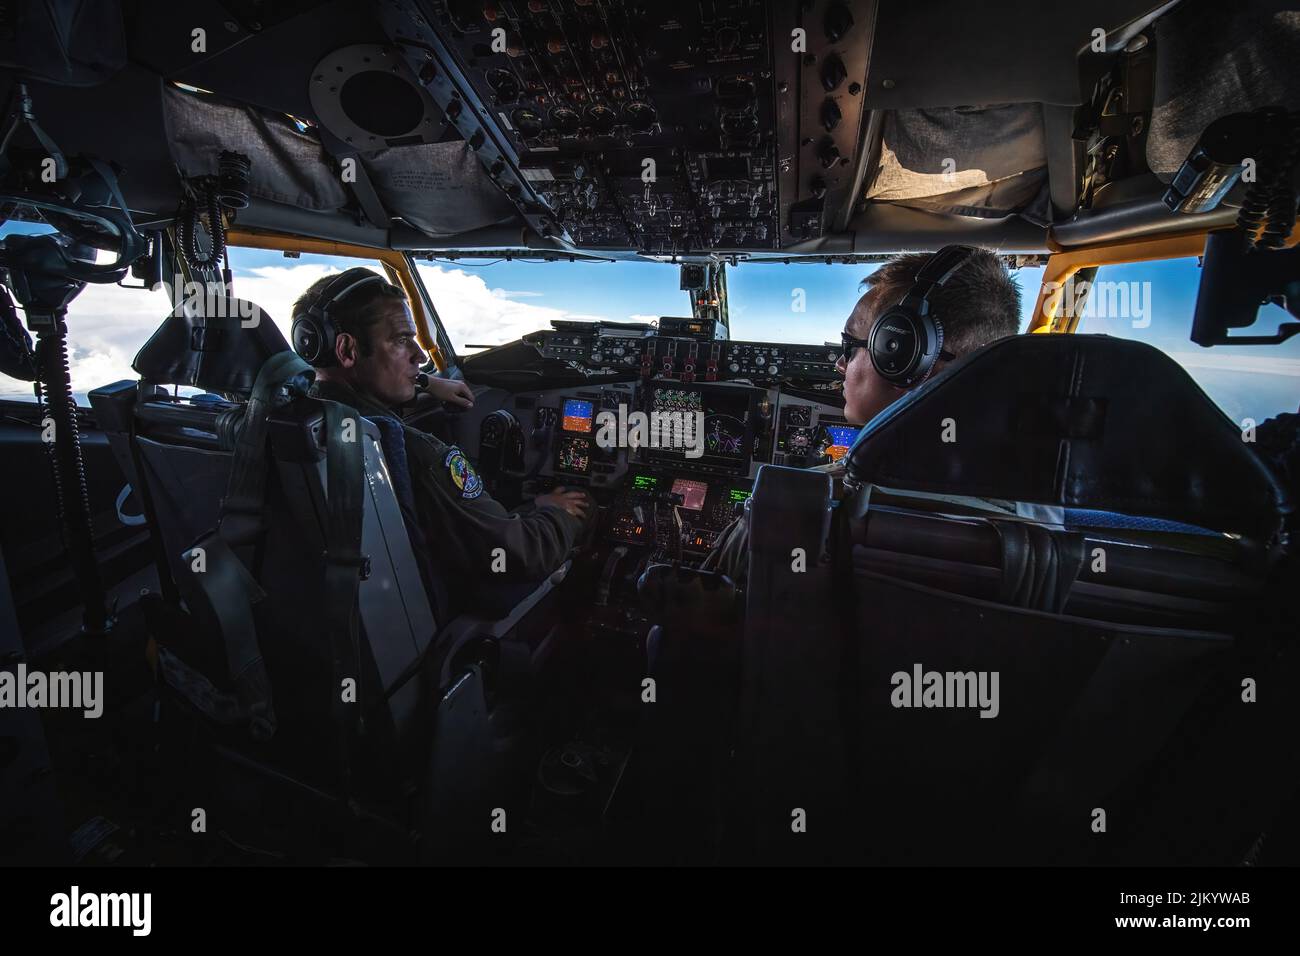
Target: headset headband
x: 330, y: 296
x: 941, y: 267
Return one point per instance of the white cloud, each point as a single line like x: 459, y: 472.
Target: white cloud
x: 108, y: 324
x: 473, y: 312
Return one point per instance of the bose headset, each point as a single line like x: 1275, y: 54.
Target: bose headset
x: 313, y: 332
x: 906, y: 340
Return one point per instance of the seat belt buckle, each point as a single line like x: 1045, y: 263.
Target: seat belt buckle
x: 350, y: 558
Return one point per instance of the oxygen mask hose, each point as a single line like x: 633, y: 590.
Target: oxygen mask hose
x: 69, y: 470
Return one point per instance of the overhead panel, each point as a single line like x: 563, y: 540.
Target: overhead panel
x: 663, y: 127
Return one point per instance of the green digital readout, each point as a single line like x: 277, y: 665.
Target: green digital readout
x: 645, y: 482
x: 738, y: 494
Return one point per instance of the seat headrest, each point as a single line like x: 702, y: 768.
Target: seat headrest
x: 218, y: 349
x: 1083, y: 421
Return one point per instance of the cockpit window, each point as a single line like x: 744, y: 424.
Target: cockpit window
x: 491, y: 302
x: 107, y: 324
x: 1153, y: 302
x: 487, y: 303
x: 808, y: 303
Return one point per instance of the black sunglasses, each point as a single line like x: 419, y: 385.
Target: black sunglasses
x: 849, y: 343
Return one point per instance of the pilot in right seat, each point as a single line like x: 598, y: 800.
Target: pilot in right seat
x: 977, y: 303
x: 357, y: 330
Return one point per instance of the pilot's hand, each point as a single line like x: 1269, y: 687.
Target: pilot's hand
x: 574, y: 502
x: 451, y: 390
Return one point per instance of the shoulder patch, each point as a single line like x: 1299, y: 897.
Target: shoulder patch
x: 462, y: 473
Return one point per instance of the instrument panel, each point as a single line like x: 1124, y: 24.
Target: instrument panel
x: 663, y: 127
x: 670, y: 462
x: 600, y: 348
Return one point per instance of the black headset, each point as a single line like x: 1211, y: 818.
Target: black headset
x: 906, y: 340
x: 313, y: 331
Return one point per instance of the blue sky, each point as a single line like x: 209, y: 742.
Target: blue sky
x: 488, y: 304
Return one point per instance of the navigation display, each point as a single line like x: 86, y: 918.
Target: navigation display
x: 576, y: 415
x: 573, y: 454
x: 700, y: 425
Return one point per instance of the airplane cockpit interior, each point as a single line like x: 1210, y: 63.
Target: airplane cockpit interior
x: 625, y: 574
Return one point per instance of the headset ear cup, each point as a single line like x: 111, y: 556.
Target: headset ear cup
x: 309, y: 341
x: 932, y: 364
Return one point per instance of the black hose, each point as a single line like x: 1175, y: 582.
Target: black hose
x: 70, y: 471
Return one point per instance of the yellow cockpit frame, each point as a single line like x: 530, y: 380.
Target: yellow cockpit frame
x: 395, y: 263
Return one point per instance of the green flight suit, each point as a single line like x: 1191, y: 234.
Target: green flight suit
x: 481, y: 551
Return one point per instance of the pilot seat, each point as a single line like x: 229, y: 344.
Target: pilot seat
x: 253, y: 628
x: 1135, y: 621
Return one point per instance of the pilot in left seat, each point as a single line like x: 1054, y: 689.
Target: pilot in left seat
x: 357, y: 331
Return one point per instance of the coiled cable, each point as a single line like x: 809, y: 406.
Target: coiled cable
x: 71, y: 491
x: 1268, y: 211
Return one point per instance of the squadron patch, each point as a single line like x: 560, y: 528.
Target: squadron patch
x: 463, y: 475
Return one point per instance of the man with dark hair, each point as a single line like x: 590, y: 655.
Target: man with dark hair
x: 460, y: 533
x: 979, y: 303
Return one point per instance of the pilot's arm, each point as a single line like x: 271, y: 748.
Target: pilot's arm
x: 472, y: 524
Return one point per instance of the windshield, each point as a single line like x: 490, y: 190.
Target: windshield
x: 486, y: 304
x: 1153, y: 302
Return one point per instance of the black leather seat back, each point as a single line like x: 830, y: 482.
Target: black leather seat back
x: 218, y: 349
x: 1119, y: 651
x: 182, y: 455
x: 1081, y: 421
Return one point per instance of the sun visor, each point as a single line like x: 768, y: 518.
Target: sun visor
x: 289, y: 165
x: 1211, y: 62
x: 439, y: 188
x: 987, y: 162
x: 1025, y: 195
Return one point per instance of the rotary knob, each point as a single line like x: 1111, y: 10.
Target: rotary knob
x: 839, y: 19
x: 829, y: 153
x: 833, y: 72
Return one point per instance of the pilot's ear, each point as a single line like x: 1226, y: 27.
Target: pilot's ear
x: 345, y: 350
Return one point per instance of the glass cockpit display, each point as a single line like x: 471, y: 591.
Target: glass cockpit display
x: 573, y: 455
x: 840, y: 439
x: 576, y: 415
x: 708, y: 427
x: 692, y: 493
